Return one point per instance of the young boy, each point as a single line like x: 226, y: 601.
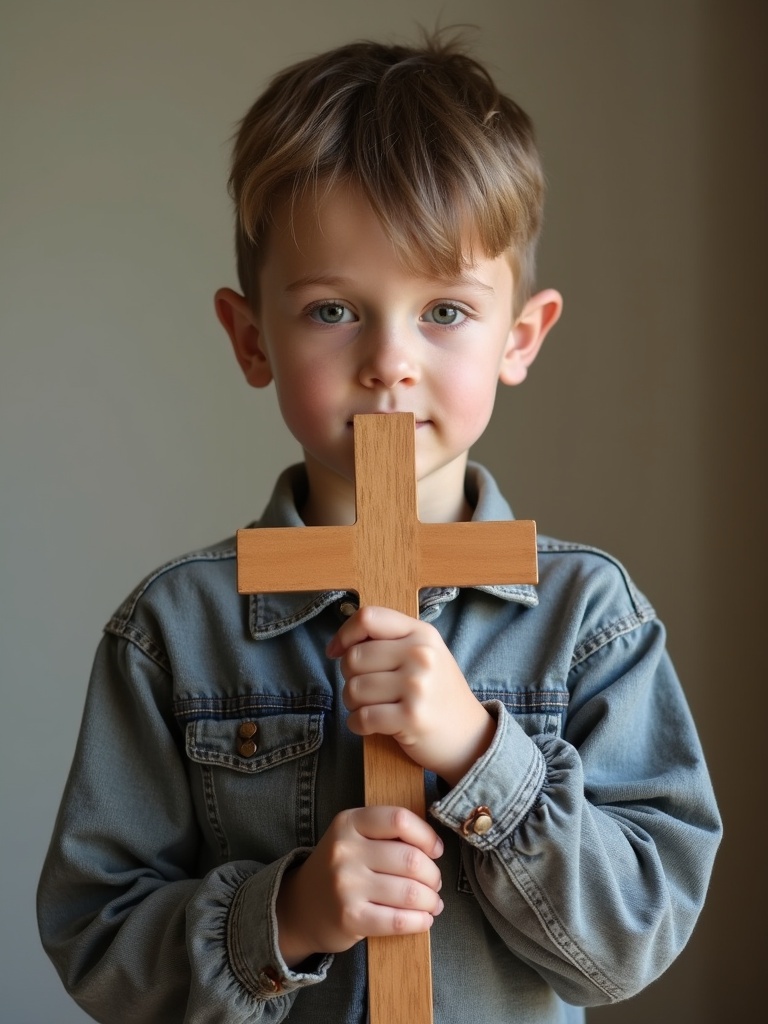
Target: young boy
x: 212, y: 860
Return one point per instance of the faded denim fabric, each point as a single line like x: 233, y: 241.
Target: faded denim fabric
x: 157, y: 899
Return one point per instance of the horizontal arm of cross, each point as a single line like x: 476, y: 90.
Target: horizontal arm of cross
x: 280, y: 559
x: 477, y: 553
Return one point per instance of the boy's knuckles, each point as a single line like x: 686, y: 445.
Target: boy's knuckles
x: 351, y: 691
x: 351, y: 921
x: 351, y: 658
x: 422, y: 660
x: 345, y: 822
x: 411, y: 895
x: 359, y: 721
x: 412, y: 861
x: 341, y: 855
x: 400, y: 922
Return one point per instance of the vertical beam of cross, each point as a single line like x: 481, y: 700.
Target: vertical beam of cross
x: 387, y: 556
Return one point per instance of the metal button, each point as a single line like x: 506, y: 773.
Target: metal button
x: 479, y: 822
x: 246, y: 732
x: 347, y: 608
x: 482, y: 823
x: 270, y: 980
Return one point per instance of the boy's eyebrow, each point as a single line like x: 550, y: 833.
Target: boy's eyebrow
x: 330, y: 280
x: 334, y: 281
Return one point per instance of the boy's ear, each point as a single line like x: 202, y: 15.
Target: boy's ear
x: 238, y: 320
x: 539, y: 315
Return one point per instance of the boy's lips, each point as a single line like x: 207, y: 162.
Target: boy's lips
x: 380, y: 412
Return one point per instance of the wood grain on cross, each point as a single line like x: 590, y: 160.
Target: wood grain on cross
x: 387, y: 556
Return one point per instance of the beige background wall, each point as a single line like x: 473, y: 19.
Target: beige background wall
x: 127, y: 435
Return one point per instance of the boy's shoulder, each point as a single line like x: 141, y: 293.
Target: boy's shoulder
x: 575, y: 560
x: 590, y: 585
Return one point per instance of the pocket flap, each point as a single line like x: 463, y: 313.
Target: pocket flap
x: 253, y: 744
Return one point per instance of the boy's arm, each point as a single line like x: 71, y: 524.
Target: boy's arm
x: 132, y: 929
x: 590, y: 854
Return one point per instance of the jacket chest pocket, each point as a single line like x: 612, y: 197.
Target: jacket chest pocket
x: 254, y: 781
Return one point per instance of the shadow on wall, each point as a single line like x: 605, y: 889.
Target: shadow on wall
x: 723, y: 964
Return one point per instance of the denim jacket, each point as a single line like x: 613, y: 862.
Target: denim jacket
x: 213, y: 754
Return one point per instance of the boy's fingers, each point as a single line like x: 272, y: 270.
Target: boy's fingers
x: 379, y: 720
x: 405, y: 894
x: 403, y: 865
x: 397, y: 823
x: 383, y: 920
x: 370, y: 623
x: 371, y: 688
x: 374, y: 656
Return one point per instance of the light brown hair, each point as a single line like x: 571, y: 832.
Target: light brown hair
x: 424, y: 132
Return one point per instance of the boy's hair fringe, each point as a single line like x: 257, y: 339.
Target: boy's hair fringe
x: 423, y: 131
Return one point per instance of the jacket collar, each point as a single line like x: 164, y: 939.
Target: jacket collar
x: 272, y: 614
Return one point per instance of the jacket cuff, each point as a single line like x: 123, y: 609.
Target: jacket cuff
x: 252, y: 936
x: 499, y: 790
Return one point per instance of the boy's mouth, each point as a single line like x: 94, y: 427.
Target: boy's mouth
x: 419, y: 423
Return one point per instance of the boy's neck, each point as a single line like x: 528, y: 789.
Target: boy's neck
x: 330, y: 498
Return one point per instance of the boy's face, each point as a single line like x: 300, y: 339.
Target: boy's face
x: 343, y: 328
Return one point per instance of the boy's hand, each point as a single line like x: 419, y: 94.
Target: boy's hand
x: 372, y: 873
x: 402, y: 681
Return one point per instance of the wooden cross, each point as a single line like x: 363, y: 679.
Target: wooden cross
x: 387, y: 556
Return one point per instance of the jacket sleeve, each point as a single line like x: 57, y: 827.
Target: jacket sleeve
x: 597, y: 861
x: 138, y: 927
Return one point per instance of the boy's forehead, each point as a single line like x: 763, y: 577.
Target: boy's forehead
x: 331, y: 280
x: 312, y: 234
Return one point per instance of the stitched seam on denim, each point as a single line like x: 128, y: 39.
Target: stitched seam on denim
x: 554, y: 701
x: 611, y: 632
x: 222, y: 708
x: 135, y: 635
x: 563, y: 547
x: 128, y: 607
x: 522, y: 593
x: 542, y: 908
x: 212, y: 810
x: 435, y: 600
x: 429, y: 607
x: 237, y: 958
x: 517, y: 811
x: 277, y: 626
x: 305, y: 801
x: 281, y: 755
x: 527, y: 793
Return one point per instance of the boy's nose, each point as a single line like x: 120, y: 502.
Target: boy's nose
x: 388, y: 362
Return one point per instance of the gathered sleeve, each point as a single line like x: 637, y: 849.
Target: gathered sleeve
x: 138, y: 922
x: 590, y: 852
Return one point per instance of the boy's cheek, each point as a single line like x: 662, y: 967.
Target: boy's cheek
x: 308, y: 410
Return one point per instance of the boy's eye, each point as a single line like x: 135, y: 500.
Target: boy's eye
x: 445, y: 314
x: 331, y: 313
